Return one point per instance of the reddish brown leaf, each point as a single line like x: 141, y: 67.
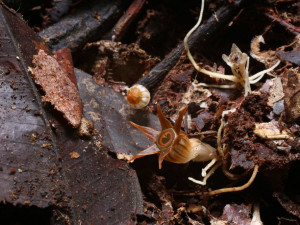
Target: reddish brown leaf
x: 64, y: 58
x: 60, y: 91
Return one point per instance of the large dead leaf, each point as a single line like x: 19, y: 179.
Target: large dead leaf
x: 109, y: 106
x: 23, y: 127
x: 36, y: 167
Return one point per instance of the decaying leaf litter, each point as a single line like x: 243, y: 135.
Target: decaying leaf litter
x: 262, y: 130
x: 49, y: 169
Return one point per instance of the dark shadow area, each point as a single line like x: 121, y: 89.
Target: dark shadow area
x: 23, y: 215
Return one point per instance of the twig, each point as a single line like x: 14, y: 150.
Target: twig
x: 81, y: 27
x: 127, y: 19
x: 290, y: 27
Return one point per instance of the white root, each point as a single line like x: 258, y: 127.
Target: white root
x: 211, y: 172
x: 238, y: 61
x: 234, y: 189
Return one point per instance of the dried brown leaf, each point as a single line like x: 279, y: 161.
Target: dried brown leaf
x: 159, y: 189
x: 60, y: 91
x: 267, y: 57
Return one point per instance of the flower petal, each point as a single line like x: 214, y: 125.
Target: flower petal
x: 148, y: 151
x: 165, y: 124
x: 177, y: 125
x: 148, y: 131
x: 162, y: 156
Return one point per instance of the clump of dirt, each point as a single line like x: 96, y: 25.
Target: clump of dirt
x: 247, y: 149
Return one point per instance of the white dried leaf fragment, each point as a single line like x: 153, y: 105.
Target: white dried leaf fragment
x: 271, y: 131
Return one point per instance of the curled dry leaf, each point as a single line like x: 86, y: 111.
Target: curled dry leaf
x: 59, y: 90
x: 266, y: 57
x: 274, y: 89
x: 271, y: 130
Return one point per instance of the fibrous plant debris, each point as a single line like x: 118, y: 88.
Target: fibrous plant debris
x: 59, y: 90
